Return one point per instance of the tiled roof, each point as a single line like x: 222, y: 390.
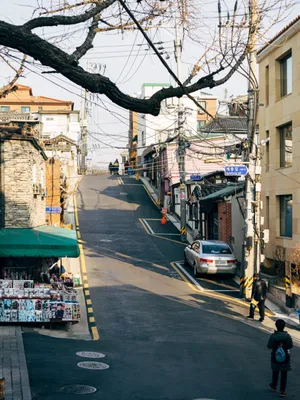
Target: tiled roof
x: 223, y: 124
x: 279, y: 34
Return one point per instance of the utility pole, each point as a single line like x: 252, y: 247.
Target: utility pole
x: 91, y: 67
x: 251, y: 262
x: 84, y: 136
x: 181, y: 140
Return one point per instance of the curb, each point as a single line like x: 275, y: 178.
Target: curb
x: 88, y: 301
x: 26, y: 392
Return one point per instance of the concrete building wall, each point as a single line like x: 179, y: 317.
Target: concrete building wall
x: 277, y: 111
x: 24, y: 167
x: 55, y: 124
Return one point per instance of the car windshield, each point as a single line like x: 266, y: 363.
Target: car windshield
x: 216, y: 249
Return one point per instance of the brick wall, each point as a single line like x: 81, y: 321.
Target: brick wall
x: 22, y: 208
x: 53, y: 190
x: 225, y: 222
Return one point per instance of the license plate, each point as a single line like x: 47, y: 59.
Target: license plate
x: 220, y: 262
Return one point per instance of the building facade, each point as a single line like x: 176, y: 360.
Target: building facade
x: 155, y: 130
x: 23, y: 187
x: 22, y: 100
x: 279, y: 127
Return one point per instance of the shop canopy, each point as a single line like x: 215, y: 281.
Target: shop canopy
x: 44, y: 241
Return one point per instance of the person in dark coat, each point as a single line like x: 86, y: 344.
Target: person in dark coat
x: 110, y: 168
x: 277, y: 339
x: 259, y: 294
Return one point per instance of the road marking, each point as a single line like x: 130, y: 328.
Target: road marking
x: 94, y: 330
x: 219, y: 296
x: 95, y: 333
x: 149, y: 227
x: 220, y: 284
x: 151, y: 198
x: 221, y: 290
x: 190, y: 277
x: 160, y: 237
x: 167, y: 234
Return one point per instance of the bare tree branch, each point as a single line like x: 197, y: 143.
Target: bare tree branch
x: 11, y: 87
x: 40, y: 22
x: 88, y: 43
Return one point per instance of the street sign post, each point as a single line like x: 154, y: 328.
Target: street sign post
x: 235, y: 170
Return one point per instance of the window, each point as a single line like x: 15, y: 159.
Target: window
x: 40, y: 108
x: 25, y: 109
x: 286, y: 215
x: 203, y: 105
x: 267, y: 152
x: 267, y: 85
x: 123, y: 159
x: 286, y: 145
x: 267, y: 222
x: 5, y: 108
x: 285, y: 75
x: 216, y: 249
x: 50, y: 119
x: 200, y: 124
x: 143, y: 138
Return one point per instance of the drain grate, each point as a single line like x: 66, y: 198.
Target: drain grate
x: 78, y: 389
x: 90, y: 354
x: 92, y: 365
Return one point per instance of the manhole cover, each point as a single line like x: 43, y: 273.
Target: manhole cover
x: 78, y: 389
x: 90, y: 354
x: 92, y: 365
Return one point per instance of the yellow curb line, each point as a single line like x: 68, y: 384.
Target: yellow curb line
x: 94, y: 330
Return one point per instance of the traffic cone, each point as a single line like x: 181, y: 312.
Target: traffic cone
x: 163, y: 220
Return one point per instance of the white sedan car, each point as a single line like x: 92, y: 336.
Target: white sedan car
x: 210, y: 257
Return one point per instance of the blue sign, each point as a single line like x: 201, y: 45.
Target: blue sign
x: 195, y: 177
x: 235, y: 170
x: 53, y: 210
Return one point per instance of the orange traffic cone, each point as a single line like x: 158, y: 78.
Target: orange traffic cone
x: 163, y: 220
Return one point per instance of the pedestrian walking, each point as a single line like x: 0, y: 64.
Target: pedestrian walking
x: 258, y: 297
x: 110, y: 168
x: 280, y: 342
x: 116, y: 167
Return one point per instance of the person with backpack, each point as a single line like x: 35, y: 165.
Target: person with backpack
x: 280, y: 342
x: 258, y: 297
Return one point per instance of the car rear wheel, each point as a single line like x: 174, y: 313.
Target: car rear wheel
x: 195, y: 270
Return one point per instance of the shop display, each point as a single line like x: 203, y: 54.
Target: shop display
x: 26, y: 301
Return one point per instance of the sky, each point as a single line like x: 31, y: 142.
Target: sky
x: 124, y: 58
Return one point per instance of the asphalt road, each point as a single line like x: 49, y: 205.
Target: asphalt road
x: 163, y: 338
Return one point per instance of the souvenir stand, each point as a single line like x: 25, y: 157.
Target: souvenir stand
x: 34, y: 290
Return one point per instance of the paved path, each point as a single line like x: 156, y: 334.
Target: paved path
x: 13, y: 364
x: 162, y: 338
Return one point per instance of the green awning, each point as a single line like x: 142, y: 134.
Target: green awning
x: 44, y: 241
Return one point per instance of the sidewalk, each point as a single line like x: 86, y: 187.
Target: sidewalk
x: 291, y: 318
x: 13, y: 364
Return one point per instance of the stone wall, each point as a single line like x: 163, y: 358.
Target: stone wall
x: 23, y: 166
